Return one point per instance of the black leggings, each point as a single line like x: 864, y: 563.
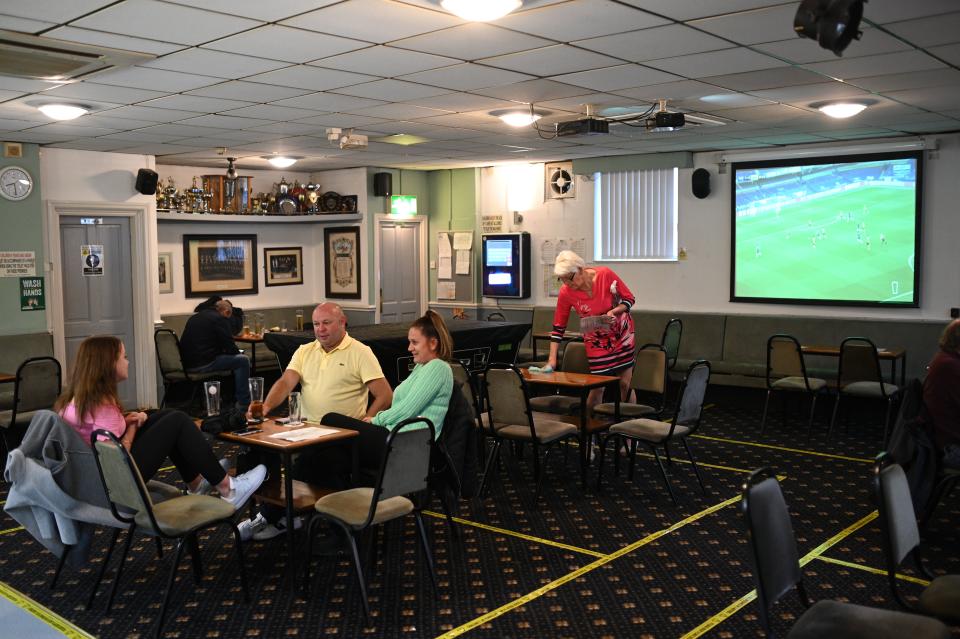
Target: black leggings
x: 172, y: 433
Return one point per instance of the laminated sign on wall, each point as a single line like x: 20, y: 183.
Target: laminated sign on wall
x: 91, y: 255
x: 31, y: 294
x: 17, y: 263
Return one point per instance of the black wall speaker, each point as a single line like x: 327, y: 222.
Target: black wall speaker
x: 147, y: 181
x: 382, y: 184
x: 701, y: 183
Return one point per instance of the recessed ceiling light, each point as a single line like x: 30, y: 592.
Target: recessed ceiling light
x: 842, y: 109
x: 480, y: 10
x: 518, y: 117
x: 63, y: 111
x: 280, y: 161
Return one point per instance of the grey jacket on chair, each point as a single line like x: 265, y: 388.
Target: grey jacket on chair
x: 55, y: 488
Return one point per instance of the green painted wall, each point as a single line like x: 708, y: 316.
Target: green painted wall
x: 22, y: 224
x: 454, y: 200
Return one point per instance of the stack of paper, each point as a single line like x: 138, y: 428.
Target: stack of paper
x: 303, y: 434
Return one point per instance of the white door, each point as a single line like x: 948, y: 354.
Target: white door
x: 400, y: 294
x: 98, y: 291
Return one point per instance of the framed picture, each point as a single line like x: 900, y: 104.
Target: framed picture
x: 284, y: 266
x: 165, y: 269
x: 219, y: 264
x: 341, y: 251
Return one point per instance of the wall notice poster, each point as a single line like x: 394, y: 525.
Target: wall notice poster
x: 491, y: 223
x: 92, y: 257
x: 17, y: 263
x: 31, y: 294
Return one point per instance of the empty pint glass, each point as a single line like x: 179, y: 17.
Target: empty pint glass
x: 211, y: 391
x: 256, y: 397
x: 294, y: 403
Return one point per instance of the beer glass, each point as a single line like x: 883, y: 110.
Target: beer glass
x: 299, y: 319
x: 211, y: 391
x: 256, y: 397
x: 294, y: 403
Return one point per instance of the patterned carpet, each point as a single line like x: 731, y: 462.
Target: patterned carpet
x: 622, y: 563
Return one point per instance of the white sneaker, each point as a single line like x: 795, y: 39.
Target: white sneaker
x: 204, y: 487
x: 269, y: 531
x: 249, y: 528
x: 243, y: 486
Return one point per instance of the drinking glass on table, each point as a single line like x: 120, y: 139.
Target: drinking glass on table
x: 299, y: 316
x: 256, y: 397
x: 294, y: 404
x: 211, y: 391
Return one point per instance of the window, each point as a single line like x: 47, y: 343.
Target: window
x: 635, y: 215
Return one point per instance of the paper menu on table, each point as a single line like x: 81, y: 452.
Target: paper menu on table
x: 303, y: 434
x: 463, y: 241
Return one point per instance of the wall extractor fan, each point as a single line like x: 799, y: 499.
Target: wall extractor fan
x: 559, y: 181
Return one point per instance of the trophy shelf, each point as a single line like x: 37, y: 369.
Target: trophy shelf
x: 227, y: 218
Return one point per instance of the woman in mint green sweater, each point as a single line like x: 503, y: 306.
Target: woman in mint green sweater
x: 426, y: 392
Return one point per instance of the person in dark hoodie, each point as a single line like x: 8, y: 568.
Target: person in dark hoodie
x: 207, y: 345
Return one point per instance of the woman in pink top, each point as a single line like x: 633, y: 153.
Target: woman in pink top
x: 602, y: 300
x: 90, y: 403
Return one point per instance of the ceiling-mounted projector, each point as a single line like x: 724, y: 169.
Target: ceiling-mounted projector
x: 346, y: 138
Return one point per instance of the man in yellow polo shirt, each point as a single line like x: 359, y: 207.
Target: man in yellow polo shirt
x: 336, y: 373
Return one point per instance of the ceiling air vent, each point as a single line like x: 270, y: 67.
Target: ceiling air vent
x: 39, y: 58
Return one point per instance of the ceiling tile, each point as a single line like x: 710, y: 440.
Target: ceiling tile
x: 391, y: 90
x: 153, y: 79
x: 533, y: 91
x: 9, y: 95
x: 652, y: 44
x: 701, y: 65
x: 771, y: 113
x: 578, y: 104
x: 950, y: 53
x: 342, y: 120
x: 152, y: 114
x: 23, y: 25
x: 312, y: 78
x: 811, y: 93
x: 692, y: 9
x: 215, y: 63
x: 803, y: 50
x: 933, y: 98
x: 271, y: 112
x: 71, y: 130
x: 766, y: 79
x: 25, y: 85
x: 248, y: 91
x: 223, y: 121
x: 94, y: 91
x: 883, y: 11
x: 327, y: 102
x: 147, y: 19
x: 902, y: 62
x: 901, y: 81
x: 461, y: 102
x: 93, y: 144
x: 577, y: 20
x: 472, y: 41
x: 398, y: 112
x: 55, y: 11
x: 752, y: 27
x: 619, y: 77
x: 929, y: 32
x: 113, y: 40
x: 197, y: 103
x: 384, y: 61
x: 552, y: 60
x: 266, y: 11
x: 381, y: 20
x: 283, y: 43
x: 464, y: 77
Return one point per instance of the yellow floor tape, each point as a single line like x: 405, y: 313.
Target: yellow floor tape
x: 802, y: 451
x: 732, y: 609
x: 11, y: 530
x: 43, y: 613
x: 876, y: 571
x: 539, y: 592
x: 511, y: 533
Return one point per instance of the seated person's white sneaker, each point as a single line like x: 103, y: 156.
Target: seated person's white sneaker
x: 204, y: 487
x: 250, y: 527
x: 269, y: 531
x: 243, y: 486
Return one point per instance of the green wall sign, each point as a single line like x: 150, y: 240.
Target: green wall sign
x: 31, y: 294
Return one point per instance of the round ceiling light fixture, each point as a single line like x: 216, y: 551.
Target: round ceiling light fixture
x: 480, y: 10
x: 63, y: 111
x: 280, y: 161
x: 518, y: 117
x: 841, y: 109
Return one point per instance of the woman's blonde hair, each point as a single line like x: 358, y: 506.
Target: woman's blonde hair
x: 432, y: 326
x: 568, y: 263
x: 94, y: 378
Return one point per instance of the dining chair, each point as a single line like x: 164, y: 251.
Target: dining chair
x: 670, y: 340
x: 901, y: 538
x: 649, y: 380
x: 403, y: 472
x: 36, y: 387
x: 787, y: 373
x: 776, y: 568
x: 510, y: 418
x: 859, y: 375
x: 655, y: 434
x: 574, y: 360
x: 179, y: 518
x: 172, y: 371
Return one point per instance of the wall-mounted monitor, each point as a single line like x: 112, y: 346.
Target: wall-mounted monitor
x: 403, y: 205
x: 506, y: 265
x: 841, y: 230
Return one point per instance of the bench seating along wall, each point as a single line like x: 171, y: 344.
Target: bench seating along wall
x: 14, y: 349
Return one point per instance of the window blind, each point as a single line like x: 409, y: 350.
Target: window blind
x: 635, y: 215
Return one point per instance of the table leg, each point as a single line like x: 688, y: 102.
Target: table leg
x: 533, y: 346
x: 584, y: 437
x: 287, y: 471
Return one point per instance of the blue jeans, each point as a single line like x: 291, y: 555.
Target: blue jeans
x: 240, y: 366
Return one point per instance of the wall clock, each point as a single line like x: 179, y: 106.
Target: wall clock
x: 15, y: 183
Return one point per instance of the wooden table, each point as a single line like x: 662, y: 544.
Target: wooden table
x: 892, y: 354
x: 292, y: 495
x: 569, y: 336
x: 581, y: 383
x: 6, y: 378
x: 253, y: 339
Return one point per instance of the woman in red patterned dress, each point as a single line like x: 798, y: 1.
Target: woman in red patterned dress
x: 602, y: 300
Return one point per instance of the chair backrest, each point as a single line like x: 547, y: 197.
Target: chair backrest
x: 37, y: 385
x: 901, y: 535
x: 784, y: 359
x: 168, y: 352
x: 670, y: 340
x: 506, y: 393
x: 859, y: 361
x: 463, y: 379
x: 121, y: 479
x: 650, y: 369
x: 575, y: 358
x: 690, y: 401
x: 496, y: 316
x: 776, y: 562
x: 406, y: 462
